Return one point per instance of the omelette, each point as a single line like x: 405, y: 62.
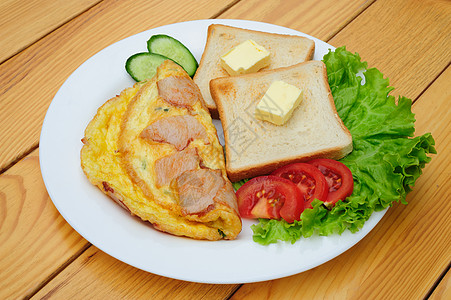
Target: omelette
x: 155, y: 151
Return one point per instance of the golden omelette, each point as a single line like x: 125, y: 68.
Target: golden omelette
x: 155, y: 151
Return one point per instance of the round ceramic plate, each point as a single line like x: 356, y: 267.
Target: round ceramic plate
x: 110, y: 228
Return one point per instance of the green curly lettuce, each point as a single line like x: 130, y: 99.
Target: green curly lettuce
x: 386, y: 159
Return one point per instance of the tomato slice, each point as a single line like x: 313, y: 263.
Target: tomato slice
x: 338, y: 177
x: 308, y: 179
x: 270, y: 197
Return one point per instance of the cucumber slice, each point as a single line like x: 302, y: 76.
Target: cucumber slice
x: 143, y: 65
x: 168, y: 46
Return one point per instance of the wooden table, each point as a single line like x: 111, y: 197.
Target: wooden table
x: 406, y: 256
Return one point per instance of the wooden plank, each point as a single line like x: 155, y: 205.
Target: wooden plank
x: 411, y: 47
x: 103, y: 276
x: 24, y: 22
x: 443, y: 290
x: 35, y: 239
x: 408, y: 250
x: 31, y: 78
x: 321, y: 19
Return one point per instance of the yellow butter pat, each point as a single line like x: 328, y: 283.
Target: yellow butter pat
x: 278, y: 103
x: 247, y: 57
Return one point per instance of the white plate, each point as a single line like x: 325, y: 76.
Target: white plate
x: 110, y: 228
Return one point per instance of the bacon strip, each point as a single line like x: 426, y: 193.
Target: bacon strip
x: 176, y: 130
x: 171, y: 166
x: 112, y: 194
x: 226, y: 195
x: 200, y: 189
x: 179, y: 91
x: 197, y: 188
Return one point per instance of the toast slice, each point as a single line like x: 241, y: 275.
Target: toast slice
x: 286, y: 50
x: 255, y: 147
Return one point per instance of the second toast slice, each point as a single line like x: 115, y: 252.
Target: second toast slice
x: 285, y: 50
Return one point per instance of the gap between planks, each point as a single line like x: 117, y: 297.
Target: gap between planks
x: 437, y: 282
x: 223, y: 10
x: 58, y: 270
x: 47, y: 34
x: 19, y: 158
x: 430, y: 83
x: 364, y: 7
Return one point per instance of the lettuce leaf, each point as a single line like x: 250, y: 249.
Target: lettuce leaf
x: 236, y: 185
x: 385, y: 162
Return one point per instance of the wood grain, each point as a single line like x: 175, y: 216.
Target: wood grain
x: 408, y: 250
x: 24, y: 22
x: 443, y: 290
x: 31, y: 78
x: 102, y: 276
x: 321, y: 19
x: 35, y: 239
x: 389, y: 263
x: 409, y: 41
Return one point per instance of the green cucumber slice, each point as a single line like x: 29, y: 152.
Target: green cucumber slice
x: 142, y: 66
x: 168, y: 46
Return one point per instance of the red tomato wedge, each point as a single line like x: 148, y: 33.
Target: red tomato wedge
x: 270, y: 197
x: 308, y: 179
x: 338, y: 177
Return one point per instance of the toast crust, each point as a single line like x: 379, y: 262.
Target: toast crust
x: 219, y: 85
x: 264, y: 169
x: 209, y: 47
